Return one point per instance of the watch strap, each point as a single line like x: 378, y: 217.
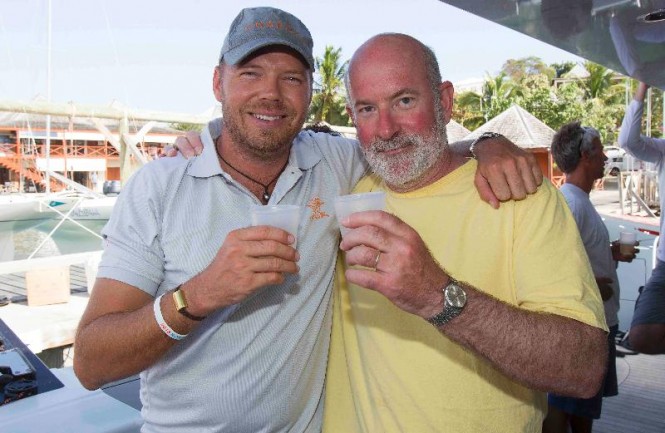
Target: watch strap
x: 450, y: 311
x: 483, y: 136
x: 181, y: 305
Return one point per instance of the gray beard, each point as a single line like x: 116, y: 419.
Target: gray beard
x: 405, y: 168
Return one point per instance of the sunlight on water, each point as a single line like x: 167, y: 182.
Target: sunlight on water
x: 19, y: 239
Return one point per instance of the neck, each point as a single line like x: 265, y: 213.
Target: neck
x: 258, y: 175
x: 579, y: 180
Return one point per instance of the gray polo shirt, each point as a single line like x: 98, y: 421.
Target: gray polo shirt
x: 258, y: 366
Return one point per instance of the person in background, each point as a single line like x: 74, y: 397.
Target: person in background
x: 578, y: 152
x: 450, y: 316
x: 647, y: 330
x: 229, y: 325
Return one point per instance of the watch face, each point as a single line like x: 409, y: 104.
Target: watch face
x: 455, y: 296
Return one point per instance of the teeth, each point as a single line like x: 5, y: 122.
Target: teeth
x: 268, y: 118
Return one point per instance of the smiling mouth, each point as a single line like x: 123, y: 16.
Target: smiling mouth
x: 267, y: 118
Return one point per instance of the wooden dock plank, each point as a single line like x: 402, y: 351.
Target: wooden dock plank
x: 13, y: 285
x: 640, y: 405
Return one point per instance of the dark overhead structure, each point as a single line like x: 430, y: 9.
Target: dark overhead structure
x: 627, y: 36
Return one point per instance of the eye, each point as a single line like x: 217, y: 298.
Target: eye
x: 406, y: 101
x: 294, y: 79
x: 366, y: 109
x: 249, y: 73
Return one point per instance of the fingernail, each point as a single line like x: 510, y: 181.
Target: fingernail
x: 297, y: 256
x: 291, y: 238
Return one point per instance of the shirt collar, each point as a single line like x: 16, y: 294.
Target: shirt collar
x: 303, y: 154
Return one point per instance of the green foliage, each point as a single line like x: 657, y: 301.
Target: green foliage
x: 560, y: 69
x: 597, y: 101
x: 519, y: 69
x: 187, y: 126
x: 328, y: 100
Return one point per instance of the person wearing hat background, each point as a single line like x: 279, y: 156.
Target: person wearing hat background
x: 231, y: 338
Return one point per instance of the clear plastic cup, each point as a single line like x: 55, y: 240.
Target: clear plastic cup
x: 345, y: 205
x: 627, y: 241
x: 283, y: 216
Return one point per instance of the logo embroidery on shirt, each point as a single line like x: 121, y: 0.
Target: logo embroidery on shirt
x: 317, y: 213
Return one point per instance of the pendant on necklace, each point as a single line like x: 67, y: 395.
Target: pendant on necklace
x: 266, y: 196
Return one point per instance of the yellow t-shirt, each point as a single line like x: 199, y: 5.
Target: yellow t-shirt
x: 390, y: 371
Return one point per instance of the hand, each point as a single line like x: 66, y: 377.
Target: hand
x: 641, y: 91
x: 618, y: 257
x: 605, y: 287
x: 405, y: 272
x: 249, y: 259
x: 189, y: 145
x: 505, y: 171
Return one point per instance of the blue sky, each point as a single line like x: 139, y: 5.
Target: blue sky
x: 159, y: 54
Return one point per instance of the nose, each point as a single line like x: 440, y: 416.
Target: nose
x: 388, y: 125
x: 270, y: 88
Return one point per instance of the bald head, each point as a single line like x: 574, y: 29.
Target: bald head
x: 390, y: 50
x: 400, y: 108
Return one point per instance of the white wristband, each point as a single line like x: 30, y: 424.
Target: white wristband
x: 162, y: 323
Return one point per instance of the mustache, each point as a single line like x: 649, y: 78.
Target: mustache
x: 379, y: 145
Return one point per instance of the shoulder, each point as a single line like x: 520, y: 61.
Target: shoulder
x: 327, y: 144
x: 153, y: 181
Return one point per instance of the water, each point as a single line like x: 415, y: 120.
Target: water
x: 19, y: 239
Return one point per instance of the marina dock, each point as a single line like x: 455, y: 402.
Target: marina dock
x: 48, y: 329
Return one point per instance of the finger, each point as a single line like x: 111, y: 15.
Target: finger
x: 496, y: 177
x: 194, y: 140
x: 274, y: 265
x: 362, y: 255
x: 375, y: 229
x: 536, y: 170
x: 485, y: 191
x: 366, y: 278
x: 260, y: 233
x: 529, y: 178
x: 516, y: 185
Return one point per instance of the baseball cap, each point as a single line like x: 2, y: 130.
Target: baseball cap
x: 256, y: 28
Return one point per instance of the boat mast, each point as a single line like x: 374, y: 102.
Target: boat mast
x: 48, y: 99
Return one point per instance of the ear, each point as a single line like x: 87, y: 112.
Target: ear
x: 447, y: 92
x: 217, y: 83
x: 349, y: 111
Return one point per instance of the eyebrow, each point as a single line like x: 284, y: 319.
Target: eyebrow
x: 395, y: 95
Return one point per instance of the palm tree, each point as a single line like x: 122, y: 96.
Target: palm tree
x: 328, y: 101
x: 602, y: 84
x: 498, y: 94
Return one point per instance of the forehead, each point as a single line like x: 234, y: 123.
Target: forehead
x: 386, y: 68
x: 273, y: 52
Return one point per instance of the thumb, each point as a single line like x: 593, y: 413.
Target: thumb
x: 485, y: 191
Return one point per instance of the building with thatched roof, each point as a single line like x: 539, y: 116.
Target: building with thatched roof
x: 526, y: 131
x: 455, y: 131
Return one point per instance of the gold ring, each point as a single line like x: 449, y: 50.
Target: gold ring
x: 376, y: 261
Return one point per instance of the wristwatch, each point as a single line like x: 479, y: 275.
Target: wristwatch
x: 181, y: 305
x: 483, y: 136
x: 454, y: 300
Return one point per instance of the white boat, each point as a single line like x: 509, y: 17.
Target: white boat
x: 73, y: 205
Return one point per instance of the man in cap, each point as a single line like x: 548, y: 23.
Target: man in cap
x: 232, y: 338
